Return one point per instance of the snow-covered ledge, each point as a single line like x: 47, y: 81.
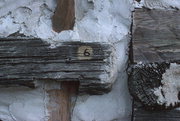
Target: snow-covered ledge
x: 96, y: 21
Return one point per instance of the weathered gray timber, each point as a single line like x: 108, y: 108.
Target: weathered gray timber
x: 144, y: 78
x: 156, y: 45
x: 22, y: 61
x: 139, y: 114
x: 156, y: 35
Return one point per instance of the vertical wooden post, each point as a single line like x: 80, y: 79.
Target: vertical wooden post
x: 63, y: 19
x: 64, y: 16
x: 60, y: 103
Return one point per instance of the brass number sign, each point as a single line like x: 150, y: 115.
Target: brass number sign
x: 85, y: 53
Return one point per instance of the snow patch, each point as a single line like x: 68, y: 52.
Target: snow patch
x: 171, y: 86
x: 114, y: 106
x: 22, y: 104
x: 25, y: 104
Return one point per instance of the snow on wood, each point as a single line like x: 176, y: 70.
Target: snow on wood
x: 152, y: 85
x: 155, y: 76
x: 96, y: 21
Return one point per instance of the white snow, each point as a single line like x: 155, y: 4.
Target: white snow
x: 25, y: 104
x: 22, y: 104
x: 171, y: 86
x: 95, y: 20
x: 114, y: 106
x: 29, y: 17
x: 158, y: 4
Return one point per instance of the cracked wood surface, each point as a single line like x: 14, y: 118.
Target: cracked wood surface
x: 156, y: 35
x: 24, y: 61
x: 156, y: 44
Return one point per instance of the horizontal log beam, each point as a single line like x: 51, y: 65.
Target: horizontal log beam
x: 23, y: 61
x: 155, y: 46
x: 156, y: 35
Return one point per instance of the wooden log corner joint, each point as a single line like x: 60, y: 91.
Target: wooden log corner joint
x: 24, y: 61
x: 156, y: 52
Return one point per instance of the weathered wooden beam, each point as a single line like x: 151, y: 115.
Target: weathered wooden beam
x: 23, y: 61
x: 156, y: 35
x: 64, y: 16
x: 143, y: 115
x: 61, y: 101
x: 156, y: 45
x: 144, y: 79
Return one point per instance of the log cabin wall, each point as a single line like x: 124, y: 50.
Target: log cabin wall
x: 155, y: 43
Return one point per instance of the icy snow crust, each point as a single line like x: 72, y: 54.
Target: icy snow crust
x: 158, y: 4
x: 171, y: 86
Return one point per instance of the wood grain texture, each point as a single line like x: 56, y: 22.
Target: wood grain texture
x: 23, y: 61
x: 156, y: 44
x: 64, y: 16
x: 144, y: 78
x: 139, y: 114
x: 156, y: 35
x: 61, y: 101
